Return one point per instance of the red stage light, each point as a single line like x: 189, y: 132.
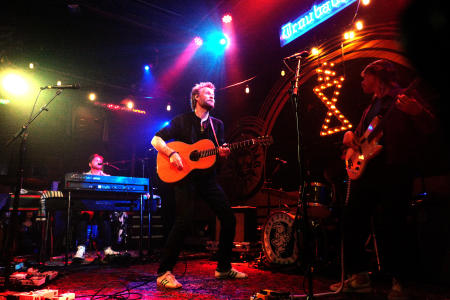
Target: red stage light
x: 227, y: 18
x: 198, y: 41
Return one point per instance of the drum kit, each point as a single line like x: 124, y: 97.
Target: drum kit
x: 280, y: 240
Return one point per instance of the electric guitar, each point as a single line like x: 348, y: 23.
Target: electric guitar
x: 200, y: 155
x: 356, y: 159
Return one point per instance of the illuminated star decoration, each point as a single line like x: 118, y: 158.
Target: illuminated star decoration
x: 328, y: 92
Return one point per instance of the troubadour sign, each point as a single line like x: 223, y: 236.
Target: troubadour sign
x: 316, y: 15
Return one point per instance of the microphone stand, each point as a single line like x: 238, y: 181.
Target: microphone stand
x: 13, y: 224
x: 302, y: 203
x: 111, y: 165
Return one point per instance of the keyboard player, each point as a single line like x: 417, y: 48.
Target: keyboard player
x: 103, y: 219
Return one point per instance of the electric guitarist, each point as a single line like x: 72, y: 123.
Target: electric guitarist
x: 383, y: 190
x: 190, y: 128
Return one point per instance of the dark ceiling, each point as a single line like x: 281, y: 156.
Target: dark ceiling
x: 106, y: 43
x: 103, y: 44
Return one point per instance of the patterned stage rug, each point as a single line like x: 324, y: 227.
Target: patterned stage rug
x: 138, y: 281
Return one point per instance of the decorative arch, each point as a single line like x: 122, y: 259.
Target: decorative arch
x: 379, y: 41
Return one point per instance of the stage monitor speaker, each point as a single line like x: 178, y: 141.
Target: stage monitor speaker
x: 245, y: 224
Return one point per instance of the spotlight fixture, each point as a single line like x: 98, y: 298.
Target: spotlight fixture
x: 315, y: 51
x: 198, y: 41
x: 224, y: 41
x: 92, y: 96
x: 247, y: 89
x: 359, y: 25
x: 58, y: 83
x: 147, y: 67
x: 130, y: 104
x: 31, y: 65
x: 349, y: 35
x: 227, y: 19
x: 168, y: 107
x: 15, y: 84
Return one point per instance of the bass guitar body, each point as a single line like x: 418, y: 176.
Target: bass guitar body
x: 356, y: 159
x: 190, y: 158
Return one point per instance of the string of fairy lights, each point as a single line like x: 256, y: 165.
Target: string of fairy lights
x: 328, y: 80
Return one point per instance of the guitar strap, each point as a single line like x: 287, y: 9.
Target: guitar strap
x: 214, y: 131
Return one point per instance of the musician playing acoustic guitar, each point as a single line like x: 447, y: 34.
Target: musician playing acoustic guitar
x: 189, y: 128
x: 385, y: 186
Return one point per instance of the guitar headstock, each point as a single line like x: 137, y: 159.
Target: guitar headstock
x: 264, y: 140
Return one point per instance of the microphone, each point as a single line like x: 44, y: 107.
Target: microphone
x: 74, y: 86
x: 302, y: 54
x: 281, y: 160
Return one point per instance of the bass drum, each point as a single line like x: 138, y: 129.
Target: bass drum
x: 279, y: 239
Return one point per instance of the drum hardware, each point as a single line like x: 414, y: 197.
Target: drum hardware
x: 282, y: 196
x: 318, y: 198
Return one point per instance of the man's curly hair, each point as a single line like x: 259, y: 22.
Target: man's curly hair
x: 196, y: 91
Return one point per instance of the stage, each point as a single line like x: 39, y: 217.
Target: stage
x: 134, y: 278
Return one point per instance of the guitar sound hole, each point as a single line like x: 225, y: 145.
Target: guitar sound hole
x: 194, y: 156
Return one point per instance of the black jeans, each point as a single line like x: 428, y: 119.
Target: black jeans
x: 186, y: 193
x: 104, y: 229
x: 382, y: 193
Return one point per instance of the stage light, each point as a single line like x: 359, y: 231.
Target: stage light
x: 147, y: 68
x: 31, y: 66
x: 115, y: 107
x: 225, y: 41
x: 349, y: 35
x: 217, y: 42
x: 247, y: 90
x: 92, y: 96
x: 365, y: 2
x: 283, y: 72
x: 198, y: 41
x: 359, y: 25
x: 5, y: 101
x: 58, y: 83
x: 130, y: 104
x: 315, y: 51
x: 227, y: 18
x: 168, y: 107
x: 15, y: 84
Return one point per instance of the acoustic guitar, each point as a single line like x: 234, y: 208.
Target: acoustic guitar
x: 200, y: 155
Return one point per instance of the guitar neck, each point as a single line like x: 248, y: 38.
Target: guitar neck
x: 233, y: 146
x: 380, y: 126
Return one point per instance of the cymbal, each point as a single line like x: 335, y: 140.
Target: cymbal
x: 280, y: 193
